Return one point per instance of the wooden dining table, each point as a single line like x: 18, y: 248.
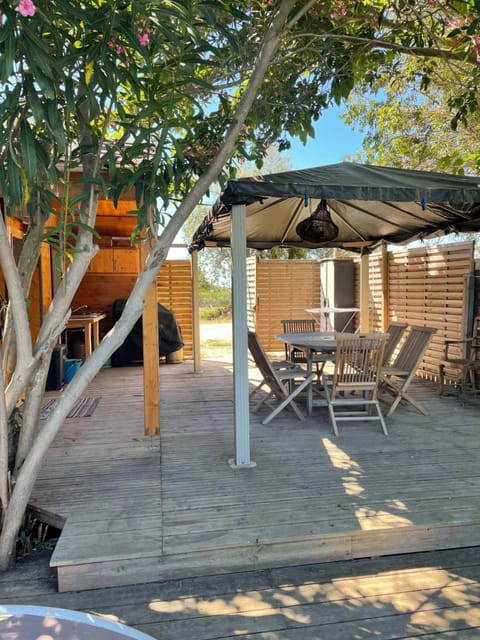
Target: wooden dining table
x: 317, y: 346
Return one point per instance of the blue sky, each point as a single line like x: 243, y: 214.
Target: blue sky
x: 333, y: 141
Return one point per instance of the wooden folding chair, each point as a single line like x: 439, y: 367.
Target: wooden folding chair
x: 277, y: 380
x: 461, y: 359
x: 395, y: 332
x: 297, y: 326
x: 294, y: 354
x: 352, y: 390
x: 397, y: 378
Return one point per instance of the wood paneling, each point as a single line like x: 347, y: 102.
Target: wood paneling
x: 284, y: 289
x: 174, y: 291
x: 427, y: 287
x: 99, y: 292
x: 113, y: 274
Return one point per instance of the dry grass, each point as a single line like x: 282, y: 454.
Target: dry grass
x: 216, y: 340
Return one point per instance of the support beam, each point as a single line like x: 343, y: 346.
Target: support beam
x: 151, y: 368
x: 197, y: 366
x: 240, y: 339
x: 385, y: 289
x: 364, y: 294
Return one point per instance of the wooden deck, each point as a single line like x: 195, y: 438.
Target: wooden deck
x: 140, y: 510
x: 429, y: 596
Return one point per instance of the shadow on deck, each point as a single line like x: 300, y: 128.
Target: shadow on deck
x: 140, y: 509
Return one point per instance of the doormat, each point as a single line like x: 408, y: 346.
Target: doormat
x: 84, y: 408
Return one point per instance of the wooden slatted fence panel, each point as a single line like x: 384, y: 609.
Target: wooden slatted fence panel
x: 284, y: 289
x: 174, y: 291
x: 424, y: 286
x: 427, y: 287
x: 476, y: 273
x: 251, y: 291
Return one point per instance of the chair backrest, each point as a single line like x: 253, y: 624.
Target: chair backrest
x: 413, y: 349
x: 395, y: 332
x: 263, y: 364
x: 298, y: 326
x: 358, y: 360
x: 475, y: 344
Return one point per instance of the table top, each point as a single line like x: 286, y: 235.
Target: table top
x: 87, y: 317
x: 315, y: 340
x: 333, y: 310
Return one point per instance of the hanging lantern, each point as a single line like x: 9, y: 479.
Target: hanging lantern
x: 319, y: 227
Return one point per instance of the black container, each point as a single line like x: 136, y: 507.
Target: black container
x: 56, y: 369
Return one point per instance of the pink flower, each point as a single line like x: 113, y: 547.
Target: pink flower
x: 143, y: 38
x: 26, y: 8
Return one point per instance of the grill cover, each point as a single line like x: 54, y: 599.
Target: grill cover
x: 131, y: 351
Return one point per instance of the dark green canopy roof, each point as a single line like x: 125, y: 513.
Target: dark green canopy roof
x: 368, y: 204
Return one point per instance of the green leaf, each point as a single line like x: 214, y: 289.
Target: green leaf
x: 8, y: 58
x: 14, y: 189
x: 35, y: 103
x: 28, y: 151
x: 36, y: 51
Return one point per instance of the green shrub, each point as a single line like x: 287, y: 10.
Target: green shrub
x: 215, y: 302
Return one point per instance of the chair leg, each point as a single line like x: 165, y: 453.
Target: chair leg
x: 333, y: 419
x: 380, y: 415
x: 405, y: 396
x: 331, y: 411
x: 289, y: 401
x: 464, y: 381
x: 441, y: 378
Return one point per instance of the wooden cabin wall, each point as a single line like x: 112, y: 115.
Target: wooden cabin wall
x: 112, y: 275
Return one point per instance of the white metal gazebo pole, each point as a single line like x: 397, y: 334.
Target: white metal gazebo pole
x: 195, y: 314
x: 240, y: 339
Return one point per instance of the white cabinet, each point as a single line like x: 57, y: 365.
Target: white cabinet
x: 337, y: 298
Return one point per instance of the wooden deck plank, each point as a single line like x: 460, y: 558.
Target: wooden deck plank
x: 427, y: 595
x: 311, y: 494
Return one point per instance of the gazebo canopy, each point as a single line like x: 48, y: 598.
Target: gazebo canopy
x: 368, y: 205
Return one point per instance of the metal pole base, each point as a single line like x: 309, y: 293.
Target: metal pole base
x: 247, y: 465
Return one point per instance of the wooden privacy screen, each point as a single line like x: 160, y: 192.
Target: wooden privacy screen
x: 174, y: 291
x: 283, y: 290
x: 424, y: 286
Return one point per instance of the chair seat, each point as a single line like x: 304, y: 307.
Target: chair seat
x: 458, y: 361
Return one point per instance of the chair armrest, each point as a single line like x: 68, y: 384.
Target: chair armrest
x: 393, y: 371
x: 449, y: 343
